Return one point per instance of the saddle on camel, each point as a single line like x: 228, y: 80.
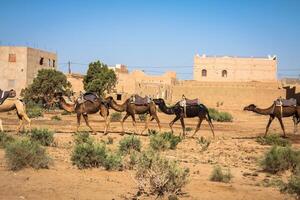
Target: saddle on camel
x: 280, y: 102
x: 7, y: 94
x: 188, y: 102
x: 88, y: 96
x: 140, y: 101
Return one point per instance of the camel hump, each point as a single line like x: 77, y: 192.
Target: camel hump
x: 6, y: 94
x: 138, y: 100
x: 286, y: 102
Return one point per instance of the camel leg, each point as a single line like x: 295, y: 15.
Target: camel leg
x: 146, y: 124
x: 183, y: 126
x: 198, y: 126
x: 122, y: 122
x: 295, y: 120
x: 134, y: 123
x: 211, y: 127
x: 78, y: 121
x: 157, y: 120
x: 86, y: 119
x: 107, y: 124
x: 268, y: 125
x: 1, y: 126
x: 282, y: 126
x: 173, y: 121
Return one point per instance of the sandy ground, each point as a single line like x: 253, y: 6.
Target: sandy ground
x: 233, y: 147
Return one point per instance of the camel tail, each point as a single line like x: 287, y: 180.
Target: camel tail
x: 208, y: 116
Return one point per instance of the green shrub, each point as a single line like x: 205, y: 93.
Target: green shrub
x: 129, y: 143
x: 142, y: 117
x: 157, y: 175
x: 219, y: 176
x: 26, y: 153
x: 56, y: 118
x: 280, y: 159
x: 110, y: 140
x: 116, y: 117
x: 152, y: 132
x: 220, y: 116
x: 66, y: 113
x: 113, y: 161
x: 5, y: 139
x: 34, y: 111
x: 164, y: 141
x: 188, y: 129
x: 43, y: 136
x: 204, y: 143
x: 83, y: 137
x: 293, y: 186
x: 273, y: 139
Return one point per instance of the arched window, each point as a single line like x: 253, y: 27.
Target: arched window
x: 204, y: 72
x: 224, y: 73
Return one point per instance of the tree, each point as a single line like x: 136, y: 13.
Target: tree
x: 99, y: 78
x: 44, y: 86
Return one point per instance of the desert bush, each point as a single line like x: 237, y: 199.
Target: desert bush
x: 26, y: 153
x: 142, y: 117
x: 129, y: 143
x: 110, y: 140
x: 273, y: 139
x: 204, y: 143
x: 164, y: 141
x: 218, y: 175
x: 280, y: 159
x: 116, y: 117
x: 113, y: 161
x: 131, y: 160
x: 152, y: 132
x: 65, y: 113
x: 56, y: 118
x: 188, y: 129
x: 5, y: 139
x: 220, y: 116
x: 83, y: 137
x: 158, y: 176
x: 293, y: 186
x: 34, y: 111
x: 43, y: 136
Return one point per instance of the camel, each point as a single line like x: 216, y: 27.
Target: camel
x: 84, y: 109
x: 131, y: 109
x: 15, y: 104
x: 192, y: 111
x: 291, y: 111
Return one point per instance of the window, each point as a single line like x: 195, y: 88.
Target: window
x: 11, y: 83
x: 119, y: 97
x: 12, y: 57
x: 204, y: 72
x: 224, y: 73
x: 53, y: 64
x: 41, y: 61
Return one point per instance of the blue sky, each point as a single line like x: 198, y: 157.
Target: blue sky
x: 155, y: 35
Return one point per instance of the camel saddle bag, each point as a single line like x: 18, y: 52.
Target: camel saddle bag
x: 138, y: 100
x: 192, y: 102
x: 286, y: 102
x: 89, y: 96
x: 6, y: 94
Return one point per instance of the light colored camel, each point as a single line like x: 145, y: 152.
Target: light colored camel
x: 15, y: 104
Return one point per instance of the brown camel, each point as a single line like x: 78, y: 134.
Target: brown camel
x: 84, y: 109
x: 192, y: 111
x: 15, y: 104
x: 290, y: 111
x: 131, y: 109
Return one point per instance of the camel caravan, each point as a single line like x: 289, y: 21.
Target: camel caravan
x: 91, y: 103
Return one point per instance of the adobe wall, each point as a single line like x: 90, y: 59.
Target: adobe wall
x: 229, y: 95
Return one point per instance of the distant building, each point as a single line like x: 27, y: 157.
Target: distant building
x: 234, y: 69
x: 20, y: 65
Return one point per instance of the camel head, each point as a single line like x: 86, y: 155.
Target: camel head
x: 251, y: 107
x: 109, y: 100
x: 158, y: 101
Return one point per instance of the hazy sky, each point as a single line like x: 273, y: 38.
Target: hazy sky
x: 155, y: 35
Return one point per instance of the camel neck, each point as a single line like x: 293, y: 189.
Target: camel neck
x: 66, y: 106
x: 167, y: 110
x: 263, y: 111
x: 117, y: 107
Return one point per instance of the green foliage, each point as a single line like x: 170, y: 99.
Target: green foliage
x: 273, y: 139
x: 34, y: 110
x: 204, y: 143
x: 26, y: 153
x: 116, y: 117
x: 113, y: 161
x: 129, y: 144
x: 159, y: 176
x: 142, y: 117
x: 83, y: 137
x: 293, y: 186
x: 280, y: 159
x: 56, y: 118
x: 164, y: 141
x: 218, y: 175
x: 99, y: 78
x: 5, y: 139
x: 188, y: 129
x: 110, y: 140
x: 220, y: 116
x: 44, y: 86
x: 43, y: 136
